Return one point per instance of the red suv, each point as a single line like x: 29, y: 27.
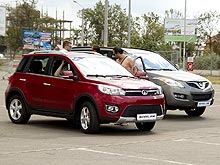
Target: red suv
x: 85, y: 88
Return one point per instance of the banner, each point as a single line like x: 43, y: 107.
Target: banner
x: 2, y: 20
x: 36, y: 40
x: 174, y: 30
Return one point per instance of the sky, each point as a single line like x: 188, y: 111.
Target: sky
x: 138, y: 7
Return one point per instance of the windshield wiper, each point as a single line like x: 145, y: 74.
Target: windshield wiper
x: 151, y: 69
x: 95, y: 75
x: 160, y: 69
x: 120, y: 76
x: 167, y: 69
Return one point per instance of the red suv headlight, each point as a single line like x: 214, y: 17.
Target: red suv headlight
x: 111, y: 90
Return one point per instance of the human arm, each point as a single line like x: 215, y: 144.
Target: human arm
x: 57, y: 73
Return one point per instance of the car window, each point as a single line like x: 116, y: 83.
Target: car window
x: 139, y: 64
x: 99, y: 66
x: 153, y: 61
x: 107, y: 53
x: 22, y: 64
x: 59, y: 70
x: 38, y: 64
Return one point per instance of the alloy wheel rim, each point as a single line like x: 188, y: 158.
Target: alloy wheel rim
x: 85, y: 118
x: 15, y: 109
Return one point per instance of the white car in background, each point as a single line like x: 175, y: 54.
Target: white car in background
x: 2, y: 55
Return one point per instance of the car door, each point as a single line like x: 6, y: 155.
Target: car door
x: 59, y: 91
x: 34, y: 78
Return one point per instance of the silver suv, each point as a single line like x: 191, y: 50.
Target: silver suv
x: 183, y: 90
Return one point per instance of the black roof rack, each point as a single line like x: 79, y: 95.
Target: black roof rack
x: 45, y: 51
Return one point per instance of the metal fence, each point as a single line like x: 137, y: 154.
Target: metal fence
x: 172, y: 56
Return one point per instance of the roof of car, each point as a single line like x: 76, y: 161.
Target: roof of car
x: 88, y: 48
x: 81, y: 48
x: 136, y: 50
x: 69, y: 54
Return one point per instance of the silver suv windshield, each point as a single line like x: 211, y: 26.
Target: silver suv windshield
x: 152, y: 61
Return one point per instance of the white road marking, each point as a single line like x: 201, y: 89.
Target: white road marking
x: 29, y: 151
x: 200, y: 142
x: 118, y: 154
x: 99, y: 152
x: 132, y: 156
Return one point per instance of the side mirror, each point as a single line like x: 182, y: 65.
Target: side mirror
x: 177, y: 66
x: 69, y: 75
x: 141, y: 75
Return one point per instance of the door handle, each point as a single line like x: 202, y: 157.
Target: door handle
x: 22, y: 79
x: 46, y: 84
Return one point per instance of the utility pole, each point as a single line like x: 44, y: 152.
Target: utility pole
x: 184, y: 42
x: 82, y: 41
x: 129, y: 24
x: 106, y: 25
x: 82, y: 32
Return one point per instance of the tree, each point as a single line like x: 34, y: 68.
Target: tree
x: 23, y: 16
x: 207, y: 26
x: 216, y: 43
x: 117, y: 24
x: 94, y: 23
x: 136, y: 39
x: 146, y: 32
x: 173, y: 14
x: 152, y: 34
x: 118, y: 29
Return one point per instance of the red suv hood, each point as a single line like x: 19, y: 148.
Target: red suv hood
x: 126, y: 83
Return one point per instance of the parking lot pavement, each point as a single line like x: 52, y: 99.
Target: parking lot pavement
x: 177, y: 139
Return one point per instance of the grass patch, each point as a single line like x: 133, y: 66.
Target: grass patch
x: 213, y: 79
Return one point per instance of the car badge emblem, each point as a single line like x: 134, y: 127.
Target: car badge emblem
x: 201, y: 85
x: 144, y: 92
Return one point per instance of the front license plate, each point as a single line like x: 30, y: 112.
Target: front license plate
x: 148, y: 116
x: 203, y: 103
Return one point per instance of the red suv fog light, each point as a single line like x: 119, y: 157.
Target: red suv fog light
x: 111, y: 108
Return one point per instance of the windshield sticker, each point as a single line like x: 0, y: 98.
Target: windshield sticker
x: 77, y: 58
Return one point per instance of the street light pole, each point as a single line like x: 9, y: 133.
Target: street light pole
x: 106, y: 25
x: 82, y: 41
x: 184, y: 42
x: 129, y: 24
x: 82, y: 32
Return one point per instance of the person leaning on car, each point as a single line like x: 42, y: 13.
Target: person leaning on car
x: 96, y: 48
x: 126, y: 61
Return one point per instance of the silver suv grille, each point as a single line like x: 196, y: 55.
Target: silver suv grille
x: 198, y: 84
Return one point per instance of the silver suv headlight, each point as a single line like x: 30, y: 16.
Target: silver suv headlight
x: 171, y: 82
x: 111, y: 90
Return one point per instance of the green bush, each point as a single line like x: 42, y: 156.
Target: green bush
x: 204, y: 62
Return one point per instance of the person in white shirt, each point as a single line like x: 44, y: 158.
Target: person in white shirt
x: 67, y: 45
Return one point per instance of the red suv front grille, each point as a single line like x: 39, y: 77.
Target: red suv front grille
x: 132, y: 111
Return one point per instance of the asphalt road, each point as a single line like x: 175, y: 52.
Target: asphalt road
x: 177, y: 139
